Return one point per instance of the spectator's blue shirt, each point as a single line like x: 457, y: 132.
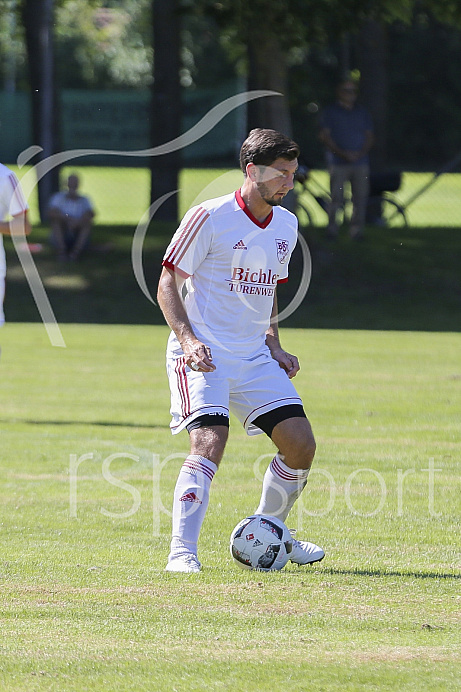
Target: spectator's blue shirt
x: 347, y: 128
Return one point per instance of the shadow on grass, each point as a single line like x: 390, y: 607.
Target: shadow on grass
x: 391, y: 573
x: 109, y: 424
x: 402, y: 279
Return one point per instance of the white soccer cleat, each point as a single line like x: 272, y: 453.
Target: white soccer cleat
x: 187, y: 564
x: 305, y: 553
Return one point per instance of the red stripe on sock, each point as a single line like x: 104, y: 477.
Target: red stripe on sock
x: 195, y: 466
x: 281, y: 473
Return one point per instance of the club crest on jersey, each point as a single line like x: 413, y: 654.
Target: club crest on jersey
x: 282, y: 250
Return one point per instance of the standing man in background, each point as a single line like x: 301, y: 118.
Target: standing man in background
x: 346, y: 130
x: 14, y: 221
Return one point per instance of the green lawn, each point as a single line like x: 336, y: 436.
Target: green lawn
x: 439, y: 205
x: 88, y: 468
x: 121, y: 195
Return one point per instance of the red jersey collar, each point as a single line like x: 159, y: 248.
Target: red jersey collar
x: 243, y: 207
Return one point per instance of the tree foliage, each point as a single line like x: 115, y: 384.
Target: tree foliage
x: 98, y: 43
x: 298, y: 21
x: 273, y: 36
x: 108, y: 44
x: 425, y: 100
x: 13, y: 54
x: 103, y: 44
x: 302, y: 23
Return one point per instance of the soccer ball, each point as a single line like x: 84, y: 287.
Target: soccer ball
x: 261, y: 542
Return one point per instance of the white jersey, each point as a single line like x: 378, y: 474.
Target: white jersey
x: 232, y: 264
x: 12, y: 202
x: 72, y: 207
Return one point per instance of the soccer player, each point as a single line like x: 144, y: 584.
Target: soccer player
x: 224, y: 351
x: 14, y: 221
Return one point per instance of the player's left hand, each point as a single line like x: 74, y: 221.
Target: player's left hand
x: 287, y: 361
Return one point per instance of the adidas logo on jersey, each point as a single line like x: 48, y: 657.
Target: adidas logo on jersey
x: 240, y: 246
x: 190, y: 497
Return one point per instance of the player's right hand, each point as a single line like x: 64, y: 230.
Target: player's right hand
x: 198, y: 357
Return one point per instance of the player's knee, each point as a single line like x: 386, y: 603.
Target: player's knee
x: 302, y: 452
x: 295, y: 441
x: 306, y: 450
x: 311, y: 448
x: 209, y: 442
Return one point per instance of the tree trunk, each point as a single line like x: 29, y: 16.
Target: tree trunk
x: 372, y: 60
x: 267, y: 69
x: 166, y: 104
x: 38, y: 24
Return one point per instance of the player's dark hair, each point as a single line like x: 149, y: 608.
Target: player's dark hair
x: 262, y: 147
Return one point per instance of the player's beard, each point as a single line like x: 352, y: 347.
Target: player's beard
x: 271, y: 200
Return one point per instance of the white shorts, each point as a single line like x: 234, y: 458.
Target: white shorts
x: 247, y: 387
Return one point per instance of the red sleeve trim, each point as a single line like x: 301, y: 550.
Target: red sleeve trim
x: 188, y: 234
x: 177, y: 270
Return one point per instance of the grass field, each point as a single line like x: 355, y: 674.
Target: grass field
x: 121, y: 195
x: 88, y: 468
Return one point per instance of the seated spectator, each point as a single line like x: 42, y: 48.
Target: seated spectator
x: 71, y: 218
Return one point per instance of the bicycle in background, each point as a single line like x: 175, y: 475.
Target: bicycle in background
x: 383, y: 208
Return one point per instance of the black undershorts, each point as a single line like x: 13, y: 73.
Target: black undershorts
x: 266, y: 422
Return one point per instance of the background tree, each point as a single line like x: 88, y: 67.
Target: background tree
x: 276, y: 36
x: 103, y: 45
x: 296, y: 47
x: 272, y: 34
x: 166, y: 104
x: 372, y: 62
x: 38, y: 21
x: 12, y: 47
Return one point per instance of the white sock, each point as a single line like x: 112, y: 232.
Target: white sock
x: 190, y: 503
x: 281, y: 488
